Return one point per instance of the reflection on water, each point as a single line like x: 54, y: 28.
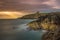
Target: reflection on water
x: 16, y: 30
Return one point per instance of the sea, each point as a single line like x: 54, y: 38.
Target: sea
x: 16, y: 29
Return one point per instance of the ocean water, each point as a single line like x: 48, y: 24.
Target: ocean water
x: 17, y: 30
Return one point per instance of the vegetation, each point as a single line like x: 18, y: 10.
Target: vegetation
x: 33, y: 16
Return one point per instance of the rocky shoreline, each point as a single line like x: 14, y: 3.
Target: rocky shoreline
x: 51, y: 23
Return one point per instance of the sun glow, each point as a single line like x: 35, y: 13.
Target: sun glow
x: 10, y: 15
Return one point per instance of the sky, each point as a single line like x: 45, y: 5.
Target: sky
x: 11, y: 14
x: 30, y: 5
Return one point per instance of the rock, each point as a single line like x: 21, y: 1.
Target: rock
x: 49, y: 22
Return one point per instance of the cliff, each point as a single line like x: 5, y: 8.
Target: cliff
x: 33, y: 16
x: 49, y: 22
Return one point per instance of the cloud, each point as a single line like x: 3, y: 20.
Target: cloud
x: 33, y: 2
x: 29, y: 5
x: 53, y: 3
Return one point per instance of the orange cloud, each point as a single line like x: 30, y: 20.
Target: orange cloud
x: 10, y: 15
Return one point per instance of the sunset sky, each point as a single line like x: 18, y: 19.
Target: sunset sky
x: 30, y: 5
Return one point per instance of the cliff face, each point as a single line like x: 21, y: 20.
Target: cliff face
x: 49, y: 22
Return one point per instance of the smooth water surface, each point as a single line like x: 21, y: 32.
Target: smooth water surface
x: 17, y: 30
